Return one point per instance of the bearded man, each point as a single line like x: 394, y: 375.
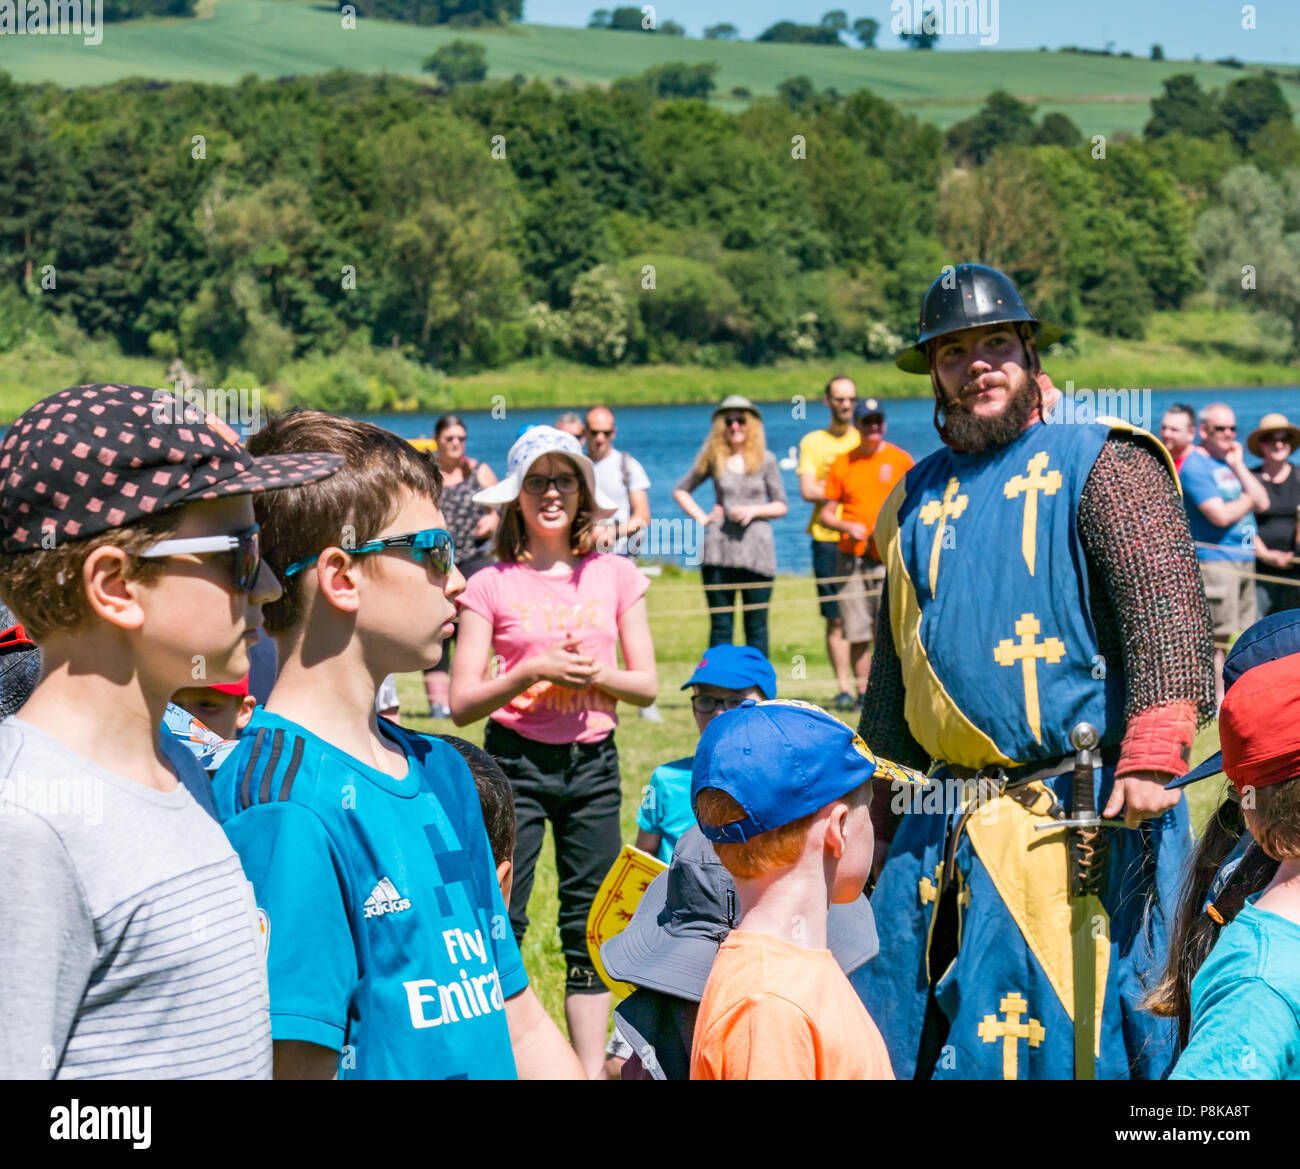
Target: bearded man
x: 1039, y: 575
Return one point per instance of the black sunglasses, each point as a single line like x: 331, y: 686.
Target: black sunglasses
x: 565, y: 484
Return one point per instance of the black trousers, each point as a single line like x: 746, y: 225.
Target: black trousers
x: 721, y: 602
x: 578, y: 788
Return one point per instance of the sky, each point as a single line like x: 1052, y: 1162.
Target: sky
x: 1183, y: 28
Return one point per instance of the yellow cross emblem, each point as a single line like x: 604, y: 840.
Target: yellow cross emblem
x: 951, y: 507
x: 930, y: 889
x: 1027, y: 653
x: 1011, y: 1030
x: 1029, y: 486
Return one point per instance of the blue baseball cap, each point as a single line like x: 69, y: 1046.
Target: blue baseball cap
x: 867, y: 408
x: 1277, y: 636
x: 781, y: 760
x: 734, y: 667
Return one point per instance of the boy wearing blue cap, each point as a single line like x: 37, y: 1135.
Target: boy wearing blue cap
x: 783, y: 790
x: 725, y: 677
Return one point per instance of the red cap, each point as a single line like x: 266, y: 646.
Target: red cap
x: 1259, y: 725
x: 240, y: 687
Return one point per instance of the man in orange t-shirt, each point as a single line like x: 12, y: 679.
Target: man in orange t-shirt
x: 857, y: 486
x: 783, y: 790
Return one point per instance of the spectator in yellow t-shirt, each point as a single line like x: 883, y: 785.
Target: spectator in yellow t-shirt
x: 857, y: 486
x: 817, y: 451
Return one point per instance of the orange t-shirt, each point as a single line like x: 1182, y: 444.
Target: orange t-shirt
x: 776, y: 1011
x: 861, y: 486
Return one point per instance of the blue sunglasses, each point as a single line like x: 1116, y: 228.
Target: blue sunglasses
x: 433, y: 544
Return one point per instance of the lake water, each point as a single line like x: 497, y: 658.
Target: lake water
x: 666, y: 439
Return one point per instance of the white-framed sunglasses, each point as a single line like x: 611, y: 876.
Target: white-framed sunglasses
x: 246, y: 545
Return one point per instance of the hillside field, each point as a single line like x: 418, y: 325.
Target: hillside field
x: 277, y: 38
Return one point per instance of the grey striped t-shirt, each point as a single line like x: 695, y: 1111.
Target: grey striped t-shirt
x: 129, y: 940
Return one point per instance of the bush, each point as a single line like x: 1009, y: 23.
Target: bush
x: 459, y: 63
x: 597, y: 318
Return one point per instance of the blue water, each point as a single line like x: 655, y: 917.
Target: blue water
x: 666, y: 439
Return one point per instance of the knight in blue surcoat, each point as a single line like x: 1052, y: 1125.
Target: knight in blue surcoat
x: 1040, y: 576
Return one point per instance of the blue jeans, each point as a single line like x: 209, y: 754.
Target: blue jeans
x: 722, y: 601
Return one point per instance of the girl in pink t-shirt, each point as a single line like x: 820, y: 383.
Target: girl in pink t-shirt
x: 537, y: 653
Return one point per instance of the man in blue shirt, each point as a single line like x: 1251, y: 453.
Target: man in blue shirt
x: 1221, y: 497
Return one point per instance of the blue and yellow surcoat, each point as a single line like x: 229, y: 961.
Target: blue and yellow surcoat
x: 992, y: 621
x: 988, y: 592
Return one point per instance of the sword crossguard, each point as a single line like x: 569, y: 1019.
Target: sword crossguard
x: 1081, y: 822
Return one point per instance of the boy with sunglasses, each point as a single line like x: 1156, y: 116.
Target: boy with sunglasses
x: 391, y: 954
x: 725, y: 677
x: 129, y: 552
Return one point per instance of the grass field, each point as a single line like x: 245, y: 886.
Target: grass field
x: 277, y: 38
x: 680, y: 629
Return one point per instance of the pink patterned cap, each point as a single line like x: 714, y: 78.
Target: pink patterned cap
x: 101, y: 456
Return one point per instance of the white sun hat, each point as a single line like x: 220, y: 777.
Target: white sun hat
x: 532, y: 445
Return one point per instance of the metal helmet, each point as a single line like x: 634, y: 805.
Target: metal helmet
x: 966, y: 297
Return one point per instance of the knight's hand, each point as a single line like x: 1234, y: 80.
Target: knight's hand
x: 1141, y: 795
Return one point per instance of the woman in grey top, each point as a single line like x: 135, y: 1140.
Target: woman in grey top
x: 739, y: 552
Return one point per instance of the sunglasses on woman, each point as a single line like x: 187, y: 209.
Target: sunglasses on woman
x: 539, y: 484
x: 246, y: 547
x: 737, y: 420
x: 432, y: 545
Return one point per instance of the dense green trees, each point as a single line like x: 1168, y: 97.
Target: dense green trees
x: 464, y: 13
x: 263, y: 227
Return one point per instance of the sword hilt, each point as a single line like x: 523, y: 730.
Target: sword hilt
x: 1087, y: 843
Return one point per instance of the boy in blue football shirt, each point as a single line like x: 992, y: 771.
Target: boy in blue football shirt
x: 390, y: 952
x: 725, y: 677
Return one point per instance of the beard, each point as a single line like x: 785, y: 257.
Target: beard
x: 973, y: 435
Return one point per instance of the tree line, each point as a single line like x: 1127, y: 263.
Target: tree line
x: 243, y: 228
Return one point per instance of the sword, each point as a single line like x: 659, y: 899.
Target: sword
x: 1087, y: 883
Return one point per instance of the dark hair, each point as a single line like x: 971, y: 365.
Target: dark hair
x: 445, y: 422
x: 1183, y: 408
x: 839, y: 377
x: 1196, y: 929
x: 354, y: 504
x: 494, y: 793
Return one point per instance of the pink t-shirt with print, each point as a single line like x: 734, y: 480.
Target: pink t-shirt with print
x: 530, y: 611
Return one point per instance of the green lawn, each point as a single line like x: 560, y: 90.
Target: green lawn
x: 276, y: 38
x: 680, y: 630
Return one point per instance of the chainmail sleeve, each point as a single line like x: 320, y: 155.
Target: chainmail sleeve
x: 883, y: 724
x: 1148, y: 601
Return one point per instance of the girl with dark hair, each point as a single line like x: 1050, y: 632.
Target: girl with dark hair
x: 540, y: 632
x: 471, y: 526
x: 1228, y: 867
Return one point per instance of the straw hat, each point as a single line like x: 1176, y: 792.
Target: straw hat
x: 1267, y: 424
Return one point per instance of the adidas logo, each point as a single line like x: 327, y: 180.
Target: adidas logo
x: 384, y: 898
